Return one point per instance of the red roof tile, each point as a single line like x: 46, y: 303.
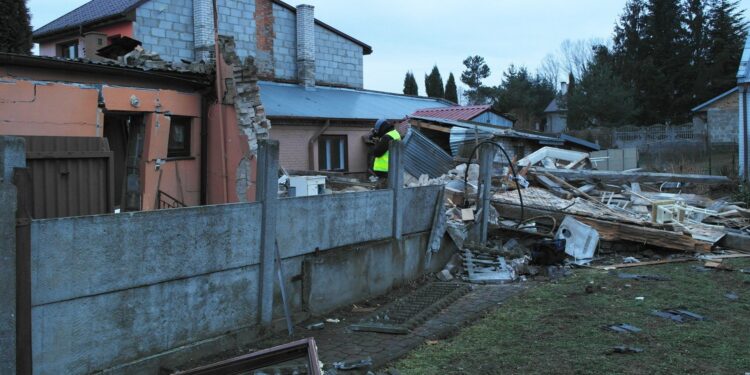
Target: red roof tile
x: 453, y: 113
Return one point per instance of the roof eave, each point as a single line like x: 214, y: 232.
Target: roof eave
x: 57, y: 33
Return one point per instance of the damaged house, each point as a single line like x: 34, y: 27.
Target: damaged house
x: 311, y: 74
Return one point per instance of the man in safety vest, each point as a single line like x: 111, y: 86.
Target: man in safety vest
x: 385, y: 131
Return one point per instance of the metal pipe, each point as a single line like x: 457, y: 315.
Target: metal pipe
x: 204, y: 148
x: 311, y: 145
x: 219, y: 96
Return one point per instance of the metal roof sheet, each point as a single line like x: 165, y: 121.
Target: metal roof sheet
x: 92, y: 11
x: 743, y: 73
x: 290, y: 100
x: 454, y: 112
x: 422, y: 156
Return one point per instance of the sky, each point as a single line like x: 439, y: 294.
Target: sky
x: 417, y: 34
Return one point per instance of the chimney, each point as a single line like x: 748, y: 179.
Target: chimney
x: 306, y: 45
x: 563, y: 88
x: 203, y: 29
x: 93, y: 42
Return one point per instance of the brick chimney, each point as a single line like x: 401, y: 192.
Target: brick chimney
x: 203, y: 29
x: 306, y: 45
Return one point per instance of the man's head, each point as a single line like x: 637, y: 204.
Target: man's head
x: 382, y: 127
x: 379, y: 124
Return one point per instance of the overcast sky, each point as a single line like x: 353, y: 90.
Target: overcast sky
x: 416, y: 34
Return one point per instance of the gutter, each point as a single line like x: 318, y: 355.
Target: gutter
x: 77, y: 66
x: 744, y: 127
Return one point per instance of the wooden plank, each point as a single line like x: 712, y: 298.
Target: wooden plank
x: 648, y: 263
x: 609, y: 231
x: 622, y: 177
x: 552, y: 187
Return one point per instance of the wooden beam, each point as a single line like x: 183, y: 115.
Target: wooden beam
x: 622, y: 177
x: 438, y: 128
x: 610, y: 231
x: 648, y: 263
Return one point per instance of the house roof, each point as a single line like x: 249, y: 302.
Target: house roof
x: 552, y: 107
x: 86, y: 14
x: 101, y: 10
x: 291, y: 100
x: 743, y: 73
x: 455, y: 112
x: 704, y: 106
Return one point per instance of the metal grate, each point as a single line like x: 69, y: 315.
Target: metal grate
x: 410, y: 311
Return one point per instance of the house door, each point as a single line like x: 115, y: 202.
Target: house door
x: 125, y: 133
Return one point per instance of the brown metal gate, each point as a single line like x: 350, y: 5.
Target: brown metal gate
x: 70, y: 176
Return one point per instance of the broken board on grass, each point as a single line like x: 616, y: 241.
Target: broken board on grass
x: 406, y: 313
x: 483, y: 269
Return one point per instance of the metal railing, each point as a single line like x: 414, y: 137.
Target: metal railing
x: 167, y: 201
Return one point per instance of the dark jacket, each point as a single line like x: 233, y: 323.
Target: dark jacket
x: 385, y: 140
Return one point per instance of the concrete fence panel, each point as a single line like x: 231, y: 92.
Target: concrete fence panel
x: 329, y: 221
x: 419, y: 208
x: 89, y: 255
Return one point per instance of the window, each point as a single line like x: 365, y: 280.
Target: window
x: 69, y: 50
x: 179, y: 137
x: 332, y: 153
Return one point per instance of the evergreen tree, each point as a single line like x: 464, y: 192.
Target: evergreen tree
x: 451, y: 91
x: 524, y: 96
x: 726, y: 33
x: 15, y: 27
x: 476, y: 71
x: 600, y: 97
x: 434, y: 84
x: 410, y: 84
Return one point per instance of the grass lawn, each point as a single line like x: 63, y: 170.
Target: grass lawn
x: 556, y: 328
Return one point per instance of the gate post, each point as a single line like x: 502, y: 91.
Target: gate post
x: 12, y: 156
x: 396, y: 184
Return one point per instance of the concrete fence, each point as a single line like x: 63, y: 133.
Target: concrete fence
x: 133, y: 292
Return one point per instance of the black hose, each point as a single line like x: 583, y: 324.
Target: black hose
x: 512, y: 169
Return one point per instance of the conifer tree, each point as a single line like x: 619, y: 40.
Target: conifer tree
x: 451, y: 91
x: 15, y: 27
x: 410, y: 84
x: 434, y: 84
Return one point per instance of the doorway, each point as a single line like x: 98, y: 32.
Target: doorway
x: 125, y: 133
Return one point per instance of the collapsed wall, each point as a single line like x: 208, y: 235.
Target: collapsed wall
x: 243, y: 91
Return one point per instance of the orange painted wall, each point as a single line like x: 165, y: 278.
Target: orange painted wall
x: 54, y: 109
x: 294, y: 140
x: 34, y: 108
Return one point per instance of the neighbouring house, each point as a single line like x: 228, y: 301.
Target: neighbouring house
x: 268, y: 30
x: 476, y: 113
x: 556, y: 113
x: 743, y: 82
x: 460, y: 137
x: 162, y: 131
x: 311, y: 74
x: 719, y: 117
x: 323, y: 129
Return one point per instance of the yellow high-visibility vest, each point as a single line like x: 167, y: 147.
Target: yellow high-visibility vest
x: 381, y: 162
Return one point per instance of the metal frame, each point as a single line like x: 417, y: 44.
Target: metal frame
x: 264, y: 358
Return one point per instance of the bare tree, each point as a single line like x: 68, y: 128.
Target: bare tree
x: 550, y: 69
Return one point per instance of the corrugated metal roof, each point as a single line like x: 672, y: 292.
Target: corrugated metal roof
x: 580, y: 142
x: 422, y: 156
x: 453, y: 112
x: 290, y: 100
x: 94, y: 10
x: 743, y: 74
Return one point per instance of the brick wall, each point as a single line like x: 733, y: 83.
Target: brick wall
x: 723, y: 125
x: 293, y: 145
x: 264, y: 37
x: 285, y: 45
x: 166, y: 27
x: 338, y: 60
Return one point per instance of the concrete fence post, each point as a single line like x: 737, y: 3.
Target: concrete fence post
x: 268, y: 180
x: 396, y: 184
x: 486, y: 158
x: 12, y: 155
